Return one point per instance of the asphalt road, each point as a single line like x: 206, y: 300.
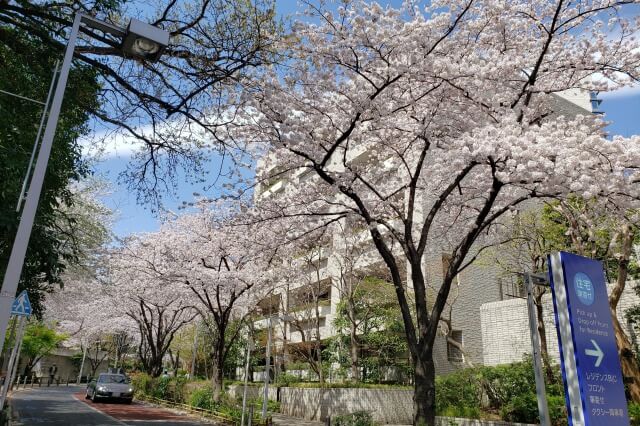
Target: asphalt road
x: 66, y: 406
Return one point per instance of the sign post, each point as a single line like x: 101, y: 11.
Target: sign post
x: 21, y: 307
x: 543, y: 409
x: 591, y: 370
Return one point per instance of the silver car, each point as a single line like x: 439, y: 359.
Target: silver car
x: 112, y: 386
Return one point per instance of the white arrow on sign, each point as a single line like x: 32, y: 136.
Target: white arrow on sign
x: 597, y: 352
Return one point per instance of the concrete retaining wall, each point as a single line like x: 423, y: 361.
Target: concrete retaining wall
x: 457, y: 421
x: 387, y: 406
x: 253, y: 392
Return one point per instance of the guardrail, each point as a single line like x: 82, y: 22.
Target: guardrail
x: 204, y: 412
x: 33, y: 380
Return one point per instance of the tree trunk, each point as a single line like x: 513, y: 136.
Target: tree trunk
x: 628, y: 362
x: 217, y: 368
x: 542, y: 332
x: 355, y: 356
x: 216, y: 381
x: 424, y: 388
x: 156, y: 367
x: 354, y: 346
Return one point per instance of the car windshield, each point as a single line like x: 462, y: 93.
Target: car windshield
x: 112, y: 378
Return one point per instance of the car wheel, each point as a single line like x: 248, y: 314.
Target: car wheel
x: 128, y: 401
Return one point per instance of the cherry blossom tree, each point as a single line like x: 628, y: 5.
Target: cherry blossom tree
x: 433, y: 123
x: 160, y: 106
x: 143, y: 289
x: 223, y: 269
x: 308, y: 287
x: 82, y: 311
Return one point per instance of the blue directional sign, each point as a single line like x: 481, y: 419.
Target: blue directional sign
x: 591, y: 370
x: 21, y: 305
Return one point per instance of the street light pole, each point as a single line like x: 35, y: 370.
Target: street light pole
x: 138, y: 40
x: 19, y: 249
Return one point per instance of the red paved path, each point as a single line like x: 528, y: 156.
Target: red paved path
x: 133, y: 411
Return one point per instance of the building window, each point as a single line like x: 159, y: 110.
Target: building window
x: 454, y: 342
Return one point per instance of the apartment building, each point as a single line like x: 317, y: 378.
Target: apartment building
x: 308, y: 307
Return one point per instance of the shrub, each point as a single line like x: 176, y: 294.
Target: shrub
x: 359, y: 418
x: 202, y: 398
x: 505, y: 382
x: 460, y: 411
x: 521, y: 408
x: 142, y: 383
x: 286, y: 379
x: 557, y: 409
x: 634, y: 413
x: 459, y: 389
x: 160, y: 387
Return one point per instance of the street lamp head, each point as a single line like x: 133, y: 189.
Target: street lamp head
x: 144, y: 41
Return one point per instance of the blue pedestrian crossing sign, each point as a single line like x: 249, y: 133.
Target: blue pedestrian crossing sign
x: 21, y: 306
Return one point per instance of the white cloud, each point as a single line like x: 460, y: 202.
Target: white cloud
x: 111, y: 144
x: 620, y: 93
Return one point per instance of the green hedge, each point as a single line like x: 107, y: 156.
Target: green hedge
x: 634, y: 413
x: 504, y: 390
x: 359, y: 418
x: 195, y: 394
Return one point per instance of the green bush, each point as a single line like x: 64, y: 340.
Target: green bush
x: 505, y: 389
x: 460, y: 389
x: 505, y: 382
x: 286, y: 379
x: 460, y: 411
x: 359, y: 418
x: 272, y: 406
x: 521, y: 408
x: 634, y: 413
x: 160, y: 387
x: 142, y: 383
x: 202, y: 398
x: 557, y: 409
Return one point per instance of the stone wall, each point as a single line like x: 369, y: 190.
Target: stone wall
x: 253, y: 392
x: 388, y: 406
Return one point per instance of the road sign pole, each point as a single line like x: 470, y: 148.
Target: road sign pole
x: 17, y: 358
x: 543, y: 409
x: 7, y: 381
x: 12, y: 335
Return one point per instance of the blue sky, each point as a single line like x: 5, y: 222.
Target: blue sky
x: 622, y: 109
